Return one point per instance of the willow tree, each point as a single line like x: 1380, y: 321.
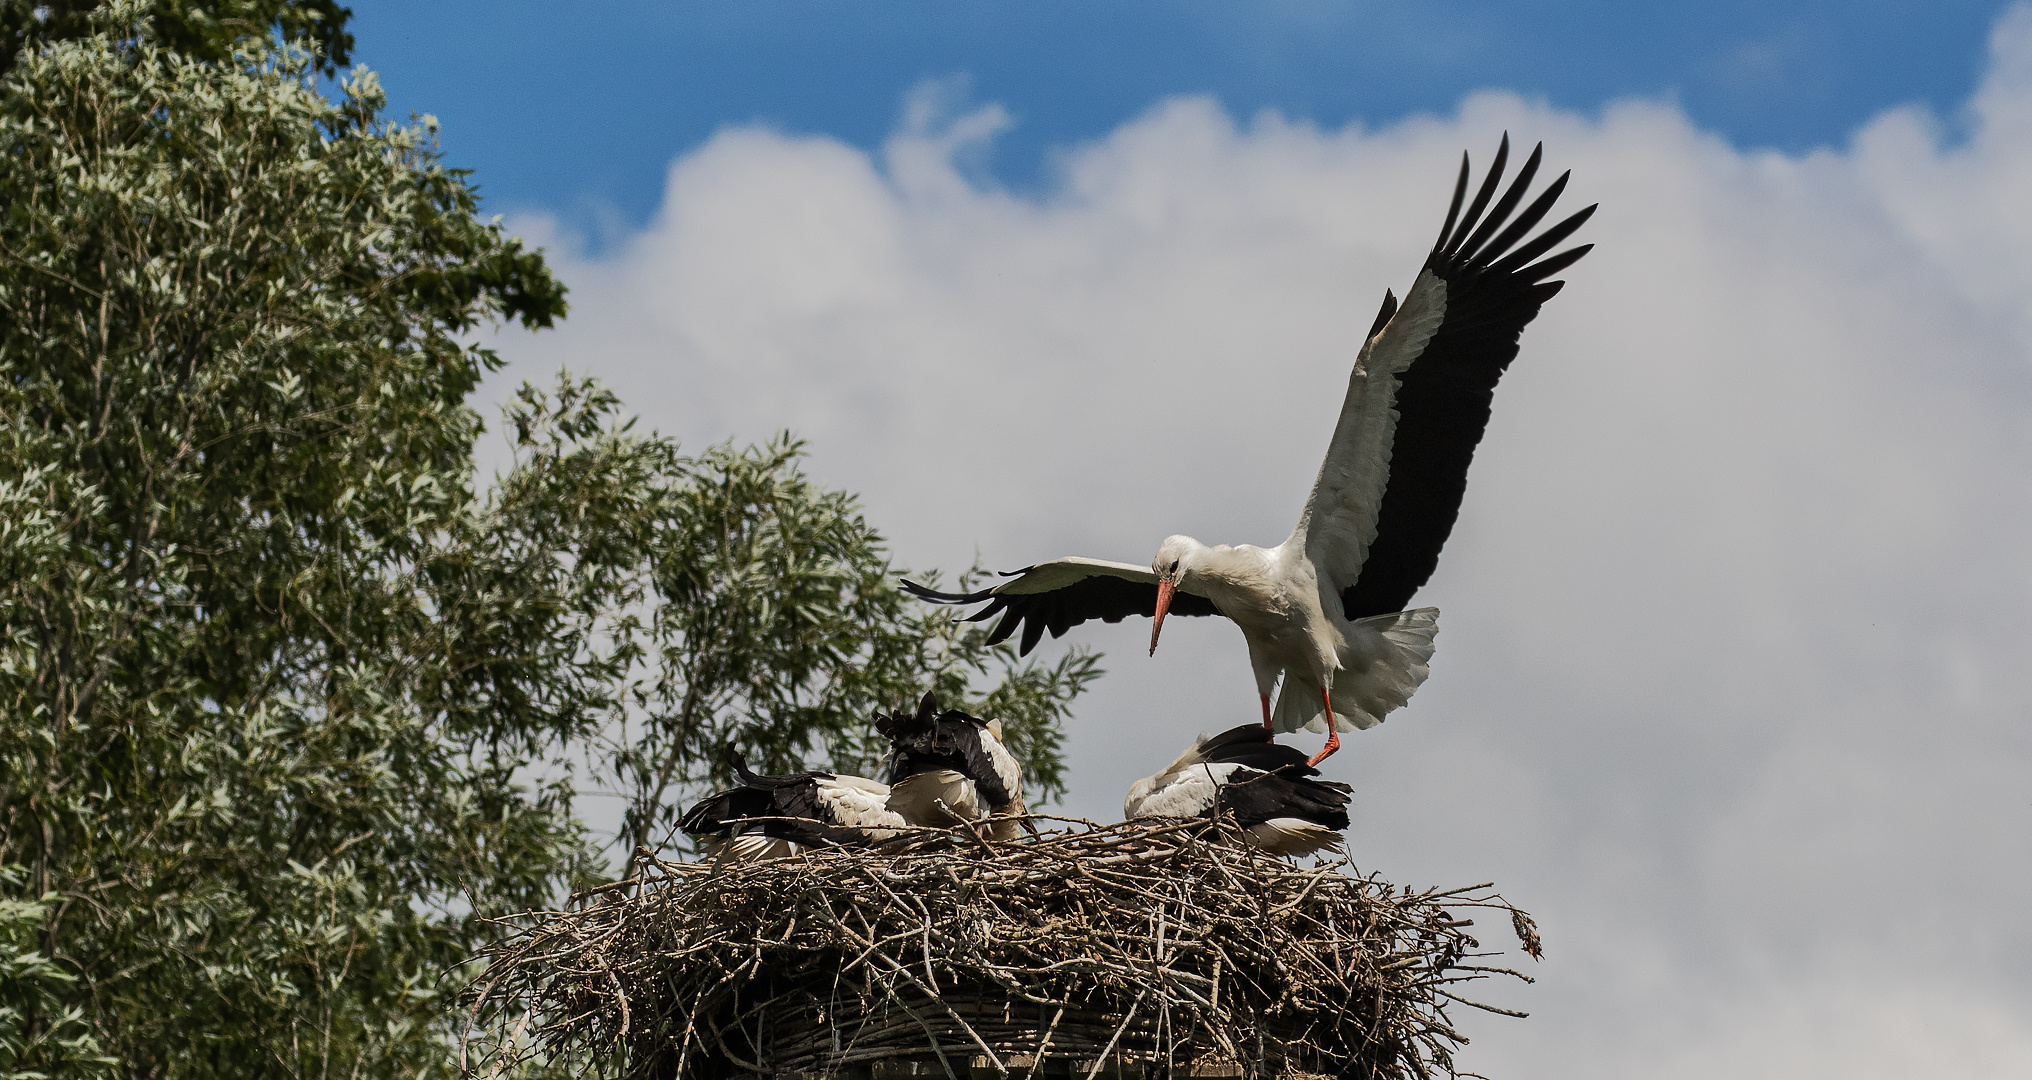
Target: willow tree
x: 289, y: 698
x: 204, y: 29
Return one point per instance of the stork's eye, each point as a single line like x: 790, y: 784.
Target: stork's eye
x: 1174, y: 567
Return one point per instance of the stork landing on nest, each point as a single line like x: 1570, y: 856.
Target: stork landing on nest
x: 1323, y: 612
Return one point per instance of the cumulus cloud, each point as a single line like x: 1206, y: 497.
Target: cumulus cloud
x: 1731, y: 686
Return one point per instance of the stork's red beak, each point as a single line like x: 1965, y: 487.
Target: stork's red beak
x: 1164, y: 591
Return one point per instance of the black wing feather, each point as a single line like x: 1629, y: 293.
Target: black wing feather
x: 1488, y: 188
x: 1109, y: 599
x: 1543, y: 244
x: 1501, y: 211
x: 1532, y: 214
x: 1383, y: 316
x: 1460, y: 191
x: 1443, y: 399
x: 980, y: 767
x: 1251, y: 745
x: 1287, y: 793
x: 790, y: 802
x: 1275, y: 781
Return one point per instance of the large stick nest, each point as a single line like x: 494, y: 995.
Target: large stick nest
x: 1154, y: 944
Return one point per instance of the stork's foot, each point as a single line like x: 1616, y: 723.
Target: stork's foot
x: 1333, y: 743
x: 1333, y: 735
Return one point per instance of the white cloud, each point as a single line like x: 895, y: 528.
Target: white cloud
x: 1732, y: 686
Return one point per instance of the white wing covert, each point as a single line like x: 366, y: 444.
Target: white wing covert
x: 1418, y: 402
x: 1339, y: 521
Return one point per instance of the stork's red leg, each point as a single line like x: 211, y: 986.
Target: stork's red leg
x: 1333, y: 735
x: 1266, y: 712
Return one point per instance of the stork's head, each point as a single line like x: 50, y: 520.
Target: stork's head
x: 1176, y: 557
x: 1138, y: 791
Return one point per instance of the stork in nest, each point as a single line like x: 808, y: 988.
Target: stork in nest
x: 1269, y: 790
x: 945, y: 766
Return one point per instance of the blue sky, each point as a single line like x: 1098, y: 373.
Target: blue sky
x: 578, y: 111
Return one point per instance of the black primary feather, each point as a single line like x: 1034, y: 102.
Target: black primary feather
x: 1267, y: 796
x: 1109, y: 599
x: 793, y: 797
x: 1493, y: 290
x: 1383, y: 316
x: 932, y: 739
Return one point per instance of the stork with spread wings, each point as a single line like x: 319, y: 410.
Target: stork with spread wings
x: 1324, y: 612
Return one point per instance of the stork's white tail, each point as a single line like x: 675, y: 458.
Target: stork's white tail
x: 1369, y: 686
x: 1294, y: 837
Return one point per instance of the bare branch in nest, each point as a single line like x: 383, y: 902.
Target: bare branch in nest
x: 1157, y: 943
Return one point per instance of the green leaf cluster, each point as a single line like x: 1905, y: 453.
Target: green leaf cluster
x: 209, y: 30
x: 289, y: 703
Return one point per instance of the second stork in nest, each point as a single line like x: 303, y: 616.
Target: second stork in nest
x: 1269, y: 790
x: 946, y: 766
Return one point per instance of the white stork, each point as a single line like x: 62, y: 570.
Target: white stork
x: 1269, y: 790
x: 944, y: 764
x: 771, y: 817
x: 1324, y: 610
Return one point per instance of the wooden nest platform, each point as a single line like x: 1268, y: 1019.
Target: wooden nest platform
x: 1153, y: 947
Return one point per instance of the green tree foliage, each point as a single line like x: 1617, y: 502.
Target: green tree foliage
x: 242, y: 748
x: 209, y: 31
x: 288, y: 703
x: 39, y: 1024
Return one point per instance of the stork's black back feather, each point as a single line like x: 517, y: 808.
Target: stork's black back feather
x: 1109, y: 599
x: 1494, y: 289
x: 932, y: 739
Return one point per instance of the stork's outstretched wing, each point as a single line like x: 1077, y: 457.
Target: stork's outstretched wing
x: 1060, y: 594
x: 1418, y: 400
